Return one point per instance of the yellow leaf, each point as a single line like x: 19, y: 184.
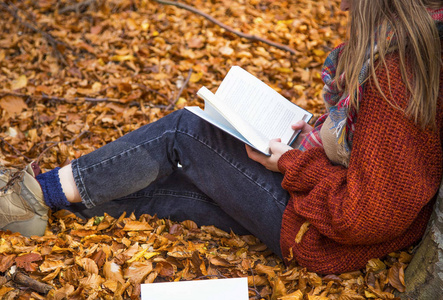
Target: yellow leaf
x: 96, y: 87
x: 145, y: 25
x: 19, y: 83
x: 369, y: 295
x: 181, y: 102
x: 195, y: 77
x: 319, y: 52
x: 284, y: 70
x: 304, y: 227
x: 148, y: 255
x: 299, y: 87
x: 122, y: 57
x: 4, y: 289
x: 137, y: 256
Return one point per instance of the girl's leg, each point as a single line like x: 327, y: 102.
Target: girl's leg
x: 213, y: 161
x: 173, y: 197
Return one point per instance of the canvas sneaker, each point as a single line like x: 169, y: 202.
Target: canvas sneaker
x: 22, y: 208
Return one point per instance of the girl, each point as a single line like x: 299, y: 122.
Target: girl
x: 358, y: 185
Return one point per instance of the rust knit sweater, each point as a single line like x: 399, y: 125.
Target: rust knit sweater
x: 381, y: 202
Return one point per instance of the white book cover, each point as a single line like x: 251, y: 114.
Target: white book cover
x: 212, y: 289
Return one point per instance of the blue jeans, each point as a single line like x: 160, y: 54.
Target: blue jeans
x: 181, y: 167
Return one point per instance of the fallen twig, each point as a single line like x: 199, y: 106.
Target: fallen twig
x: 13, y: 11
x: 74, y: 100
x: 181, y: 90
x: 15, y: 149
x: 61, y: 99
x: 226, y: 27
x: 77, y: 7
x: 24, y: 280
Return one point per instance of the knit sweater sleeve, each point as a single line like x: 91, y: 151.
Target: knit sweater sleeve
x: 394, y: 170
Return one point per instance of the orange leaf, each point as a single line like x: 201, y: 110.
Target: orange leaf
x: 27, y: 261
x: 137, y: 226
x: 13, y: 105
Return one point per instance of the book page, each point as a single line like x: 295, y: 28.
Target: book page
x: 219, y: 110
x: 260, y: 105
x: 218, y: 121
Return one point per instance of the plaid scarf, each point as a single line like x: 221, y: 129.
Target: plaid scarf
x: 342, y: 116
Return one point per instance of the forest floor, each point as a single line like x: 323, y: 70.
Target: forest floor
x: 75, y: 75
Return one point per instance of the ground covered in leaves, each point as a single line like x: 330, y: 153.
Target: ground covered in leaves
x: 75, y: 75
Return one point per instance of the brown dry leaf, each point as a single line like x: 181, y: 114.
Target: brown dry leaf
x: 137, y: 271
x: 195, y: 42
x: 5, y: 289
x: 19, y: 83
x: 87, y: 264
x: 113, y: 272
x: 61, y: 293
x: 189, y: 224
x: 92, y: 282
x: 375, y: 265
x: 6, y: 261
x: 219, y: 261
x: 13, y: 104
x: 52, y: 275
x: 278, y: 288
x: 26, y: 261
x: 257, y: 280
x: 313, y: 297
x: 137, y: 226
x: 396, y: 277
x: 297, y: 295
x: 215, y: 231
x: 48, y: 265
x: 268, y: 270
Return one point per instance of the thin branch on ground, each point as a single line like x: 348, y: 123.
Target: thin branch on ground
x: 185, y: 83
x: 14, y: 149
x: 60, y: 99
x: 24, y: 280
x: 227, y: 28
x: 78, y: 7
x: 76, y: 99
x: 14, y: 12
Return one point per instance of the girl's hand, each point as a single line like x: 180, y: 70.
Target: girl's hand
x: 277, y: 148
x: 304, y: 128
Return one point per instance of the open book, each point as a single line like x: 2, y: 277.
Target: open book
x: 250, y: 110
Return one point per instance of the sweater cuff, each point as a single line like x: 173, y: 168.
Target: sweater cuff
x: 286, y: 159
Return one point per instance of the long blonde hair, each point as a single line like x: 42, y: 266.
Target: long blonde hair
x: 417, y: 42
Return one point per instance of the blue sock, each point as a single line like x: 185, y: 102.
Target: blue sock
x: 52, y: 189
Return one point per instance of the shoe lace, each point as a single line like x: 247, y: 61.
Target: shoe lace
x: 18, y: 175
